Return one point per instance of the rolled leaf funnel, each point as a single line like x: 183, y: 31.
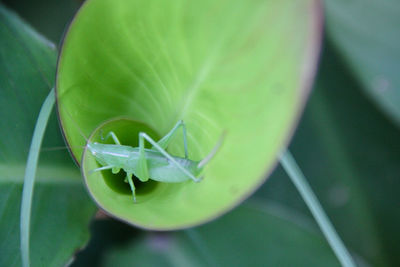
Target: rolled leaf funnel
x: 239, y: 67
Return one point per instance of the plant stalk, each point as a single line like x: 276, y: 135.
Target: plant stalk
x: 30, y: 172
x: 297, y: 177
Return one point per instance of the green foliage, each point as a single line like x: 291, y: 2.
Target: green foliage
x: 26, y: 74
x: 366, y: 33
x: 346, y: 147
x: 350, y: 153
x: 256, y: 234
x: 50, y: 17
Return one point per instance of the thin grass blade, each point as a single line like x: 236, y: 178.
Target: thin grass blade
x: 297, y: 177
x: 30, y: 172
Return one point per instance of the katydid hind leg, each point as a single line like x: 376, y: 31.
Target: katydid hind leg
x: 168, y: 156
x: 164, y: 142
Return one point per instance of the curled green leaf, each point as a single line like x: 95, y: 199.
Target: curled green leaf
x: 240, y: 67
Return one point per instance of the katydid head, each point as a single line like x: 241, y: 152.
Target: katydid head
x: 97, y: 150
x: 93, y: 148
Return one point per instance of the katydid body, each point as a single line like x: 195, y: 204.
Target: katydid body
x: 145, y: 164
x: 117, y: 157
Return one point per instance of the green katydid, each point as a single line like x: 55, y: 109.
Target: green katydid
x: 155, y: 163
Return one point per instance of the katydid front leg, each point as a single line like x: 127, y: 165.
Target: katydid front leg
x: 114, y: 170
x: 142, y: 171
x: 132, y: 185
x: 113, y: 136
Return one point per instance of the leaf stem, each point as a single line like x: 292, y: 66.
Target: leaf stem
x: 297, y: 177
x: 30, y: 172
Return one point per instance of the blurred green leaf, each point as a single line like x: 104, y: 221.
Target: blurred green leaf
x: 367, y: 34
x: 350, y: 153
x: 48, y: 17
x: 61, y: 207
x: 252, y: 235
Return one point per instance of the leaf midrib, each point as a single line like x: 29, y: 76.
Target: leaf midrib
x: 14, y: 173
